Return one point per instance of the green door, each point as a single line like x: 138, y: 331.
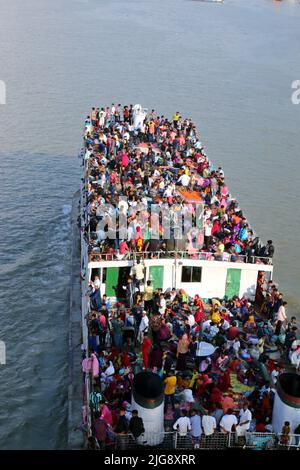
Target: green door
x: 156, y: 275
x: 112, y: 276
x: 233, y: 282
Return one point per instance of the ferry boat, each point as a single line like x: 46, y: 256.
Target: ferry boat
x: 184, y: 256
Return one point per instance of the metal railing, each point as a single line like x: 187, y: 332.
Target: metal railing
x: 254, y: 440
x: 178, y: 254
x: 163, y: 440
x: 261, y: 260
x: 218, y: 440
x: 293, y: 441
x: 85, y: 306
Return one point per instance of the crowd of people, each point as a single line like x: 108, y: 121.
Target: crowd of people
x: 145, y: 186
x: 214, y: 357
x: 230, y: 388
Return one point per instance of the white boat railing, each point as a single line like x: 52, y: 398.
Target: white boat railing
x: 261, y: 260
x: 170, y: 254
x: 84, y: 313
x: 217, y: 440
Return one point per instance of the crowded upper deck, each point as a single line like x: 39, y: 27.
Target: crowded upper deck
x: 152, y: 191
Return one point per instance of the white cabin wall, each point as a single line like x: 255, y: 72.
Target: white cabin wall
x: 214, y: 274
x: 213, y: 281
x: 168, y: 277
x: 248, y: 283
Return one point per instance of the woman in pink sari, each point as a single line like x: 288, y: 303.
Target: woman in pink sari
x: 95, y: 365
x: 224, y: 381
x: 106, y: 414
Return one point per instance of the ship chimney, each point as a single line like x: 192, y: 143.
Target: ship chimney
x: 148, y: 400
x: 287, y: 402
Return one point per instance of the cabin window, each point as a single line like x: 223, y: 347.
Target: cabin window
x: 191, y: 274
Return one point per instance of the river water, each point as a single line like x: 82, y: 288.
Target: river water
x: 230, y: 67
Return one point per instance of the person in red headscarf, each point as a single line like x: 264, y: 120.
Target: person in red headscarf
x: 113, y: 354
x: 224, y: 381
x: 202, y: 382
x: 146, y: 346
x: 125, y: 359
x: 215, y: 395
x: 199, y: 314
x: 138, y: 239
x: 216, y: 228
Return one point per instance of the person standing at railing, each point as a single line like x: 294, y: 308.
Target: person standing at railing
x: 281, y: 315
x: 228, y: 422
x: 285, y: 434
x: 244, y: 420
x: 100, y: 429
x: 196, y: 430
x: 269, y: 251
x: 121, y: 429
x: 209, y: 423
x: 95, y: 296
x: 183, y: 424
x: 124, y: 250
x: 136, y: 425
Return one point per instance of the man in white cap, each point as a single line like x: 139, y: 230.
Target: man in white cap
x: 143, y: 328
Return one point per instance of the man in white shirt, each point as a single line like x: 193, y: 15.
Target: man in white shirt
x: 143, y: 328
x: 184, y: 180
x: 188, y: 395
x: 209, y: 424
x: 244, y: 421
x: 228, y: 422
x: 162, y: 304
x: 236, y: 345
x: 281, y: 315
x: 183, y: 424
x: 97, y: 282
x: 137, y: 270
x: 207, y: 233
x: 191, y: 320
x: 224, y: 325
x: 208, y: 228
x: 206, y: 325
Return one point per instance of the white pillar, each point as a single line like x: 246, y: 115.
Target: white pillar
x: 148, y: 400
x: 287, y: 402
